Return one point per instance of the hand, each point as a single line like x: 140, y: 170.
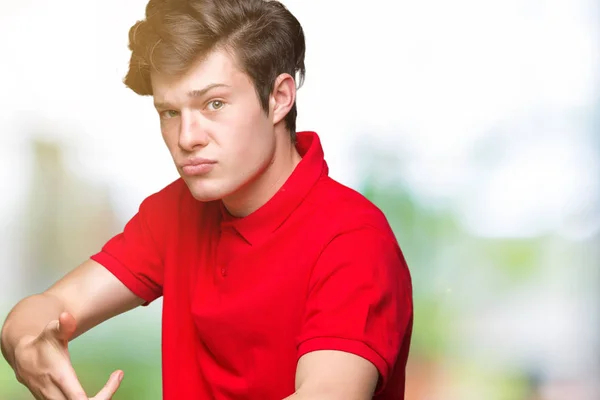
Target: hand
x: 43, y: 365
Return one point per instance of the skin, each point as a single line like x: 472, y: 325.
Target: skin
x: 36, y: 333
x: 212, y: 112
x: 334, y: 375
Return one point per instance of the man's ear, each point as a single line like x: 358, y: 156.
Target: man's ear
x: 283, y: 97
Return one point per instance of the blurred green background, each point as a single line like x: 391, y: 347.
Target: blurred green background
x: 474, y: 125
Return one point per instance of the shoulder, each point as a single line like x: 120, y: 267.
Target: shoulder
x: 357, y: 238
x: 343, y: 209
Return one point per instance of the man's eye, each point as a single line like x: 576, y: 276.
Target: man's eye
x: 169, y: 114
x: 215, y: 105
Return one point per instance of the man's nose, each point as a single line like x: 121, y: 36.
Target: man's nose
x: 192, y: 133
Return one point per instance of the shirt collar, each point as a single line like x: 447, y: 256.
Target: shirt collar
x: 264, y: 221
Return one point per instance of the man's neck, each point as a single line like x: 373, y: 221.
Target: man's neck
x: 262, y: 188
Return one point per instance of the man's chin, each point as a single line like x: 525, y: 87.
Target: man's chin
x: 201, y: 192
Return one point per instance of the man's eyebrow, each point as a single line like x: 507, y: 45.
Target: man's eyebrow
x: 194, y: 93
x: 202, y: 92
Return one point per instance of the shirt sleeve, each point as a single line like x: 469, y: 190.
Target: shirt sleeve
x: 360, y: 300
x: 136, y: 255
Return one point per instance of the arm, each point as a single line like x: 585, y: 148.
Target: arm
x: 358, y: 320
x: 334, y: 375
x: 125, y: 274
x: 37, y: 331
x: 90, y: 293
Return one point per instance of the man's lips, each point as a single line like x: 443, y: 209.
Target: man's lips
x: 198, y: 166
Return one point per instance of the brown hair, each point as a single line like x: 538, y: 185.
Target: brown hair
x: 264, y: 37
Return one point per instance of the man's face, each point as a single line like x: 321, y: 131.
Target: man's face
x: 213, y: 124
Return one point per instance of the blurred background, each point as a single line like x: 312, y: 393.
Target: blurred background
x: 473, y: 124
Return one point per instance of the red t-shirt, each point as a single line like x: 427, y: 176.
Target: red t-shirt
x: 316, y: 268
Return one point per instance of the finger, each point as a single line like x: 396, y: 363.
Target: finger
x: 66, y: 327
x: 62, y: 329
x: 68, y: 383
x: 111, y: 386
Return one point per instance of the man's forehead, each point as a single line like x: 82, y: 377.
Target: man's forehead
x: 216, y: 68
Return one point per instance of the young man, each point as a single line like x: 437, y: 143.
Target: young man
x: 277, y: 281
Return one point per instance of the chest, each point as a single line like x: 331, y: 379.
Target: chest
x: 242, y: 295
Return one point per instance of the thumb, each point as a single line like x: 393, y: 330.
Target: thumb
x: 65, y: 328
